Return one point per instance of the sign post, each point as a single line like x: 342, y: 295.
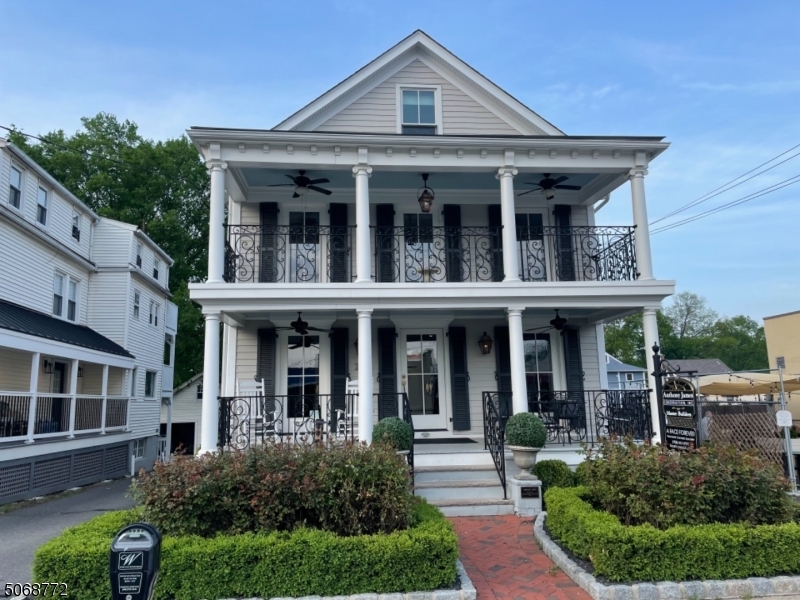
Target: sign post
x: 787, y: 441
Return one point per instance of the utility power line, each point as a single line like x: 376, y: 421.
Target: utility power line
x: 720, y: 190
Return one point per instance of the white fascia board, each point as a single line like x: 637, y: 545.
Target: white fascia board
x: 141, y: 235
x: 148, y: 281
x: 51, y: 181
x: 50, y: 446
x: 247, y: 297
x: 30, y: 343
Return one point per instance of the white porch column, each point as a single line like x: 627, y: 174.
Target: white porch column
x: 104, y: 392
x: 216, y: 217
x: 36, y: 358
x: 519, y: 388
x: 650, y: 326
x: 231, y: 333
x: 510, y: 258
x: 73, y: 393
x: 169, y: 428
x: 362, y: 173
x: 365, y: 394
x: 210, y: 412
x: 644, y: 259
x: 600, y: 332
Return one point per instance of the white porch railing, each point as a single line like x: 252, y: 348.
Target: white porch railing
x: 26, y: 416
x: 163, y: 451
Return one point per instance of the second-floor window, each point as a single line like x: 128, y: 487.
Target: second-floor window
x: 168, y: 339
x: 156, y: 265
x: 72, y: 300
x: 15, y: 188
x: 137, y: 297
x: 58, y: 294
x: 65, y: 287
x: 42, y: 206
x: 419, y: 112
x: 139, y: 255
x: 76, y: 226
x: 153, y: 314
x: 150, y: 384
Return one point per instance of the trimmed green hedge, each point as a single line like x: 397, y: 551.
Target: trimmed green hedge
x: 301, y: 563
x: 680, y: 553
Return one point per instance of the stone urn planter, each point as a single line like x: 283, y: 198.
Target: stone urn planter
x: 526, y: 435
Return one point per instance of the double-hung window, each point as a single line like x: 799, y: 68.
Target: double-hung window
x: 58, y: 295
x: 15, y: 188
x: 156, y: 265
x: 153, y: 314
x: 150, y: 384
x: 42, y: 206
x: 72, y: 300
x: 418, y: 112
x: 138, y: 448
x: 65, y: 288
x: 137, y: 298
x: 76, y: 226
x: 139, y: 255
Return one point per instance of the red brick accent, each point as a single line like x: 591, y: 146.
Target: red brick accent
x: 502, y: 559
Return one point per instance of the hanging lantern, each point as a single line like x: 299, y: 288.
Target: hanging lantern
x: 425, y: 195
x: 485, y: 343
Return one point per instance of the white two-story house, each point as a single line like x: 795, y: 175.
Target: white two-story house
x: 87, y: 336
x: 439, y: 239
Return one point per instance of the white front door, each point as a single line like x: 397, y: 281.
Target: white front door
x: 422, y: 377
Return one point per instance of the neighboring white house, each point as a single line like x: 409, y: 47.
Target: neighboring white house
x: 414, y: 213
x: 622, y: 376
x: 87, y: 336
x: 181, y: 418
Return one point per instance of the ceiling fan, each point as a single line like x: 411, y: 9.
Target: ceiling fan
x: 302, y: 184
x: 301, y: 327
x: 558, y: 324
x: 547, y: 185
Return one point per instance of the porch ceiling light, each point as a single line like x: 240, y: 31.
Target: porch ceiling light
x: 300, y: 190
x: 425, y: 195
x: 485, y: 343
x: 549, y: 194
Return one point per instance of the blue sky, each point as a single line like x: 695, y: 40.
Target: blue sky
x: 721, y: 80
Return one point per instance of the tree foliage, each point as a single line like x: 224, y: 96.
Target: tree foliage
x: 161, y: 187
x: 689, y: 328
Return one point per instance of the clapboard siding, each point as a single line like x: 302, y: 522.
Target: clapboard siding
x: 107, y: 294
x: 112, y: 245
x: 246, y: 353
x: 589, y: 357
x: 15, y: 370
x: 186, y: 408
x: 376, y: 111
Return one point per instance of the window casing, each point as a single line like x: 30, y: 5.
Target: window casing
x: 538, y: 366
x: 72, y: 300
x: 65, y: 288
x: 156, y: 264
x: 150, y: 384
x: 628, y: 376
x: 58, y: 294
x: 76, y: 226
x: 154, y: 314
x: 419, y: 111
x: 138, y: 448
x: 42, y: 206
x: 136, y: 303
x: 15, y: 188
x: 199, y: 391
x: 139, y: 255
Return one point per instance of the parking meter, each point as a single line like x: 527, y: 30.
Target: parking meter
x: 135, y: 561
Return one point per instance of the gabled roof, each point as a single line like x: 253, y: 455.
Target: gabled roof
x: 418, y: 45
x: 188, y: 382
x: 24, y: 320
x: 614, y: 365
x: 703, y: 366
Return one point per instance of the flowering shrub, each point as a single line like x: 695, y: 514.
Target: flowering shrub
x: 713, y: 484
x: 347, y: 490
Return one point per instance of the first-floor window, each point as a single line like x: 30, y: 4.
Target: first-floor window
x: 138, y: 448
x: 150, y: 384
x: 303, y: 374
x: 538, y: 368
x: 58, y: 294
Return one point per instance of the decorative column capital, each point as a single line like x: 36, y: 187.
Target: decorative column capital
x: 216, y: 165
x: 506, y: 172
x: 364, y: 312
x: 211, y: 316
x: 514, y: 311
x: 362, y: 169
x: 637, y: 172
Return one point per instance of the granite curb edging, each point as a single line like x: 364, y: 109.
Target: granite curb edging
x: 785, y: 587
x: 467, y: 592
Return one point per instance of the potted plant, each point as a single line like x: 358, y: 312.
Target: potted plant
x: 395, y: 432
x: 525, y: 434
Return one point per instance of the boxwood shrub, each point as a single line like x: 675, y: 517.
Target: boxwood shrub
x: 684, y: 552
x: 300, y: 563
x: 527, y: 430
x: 393, y: 431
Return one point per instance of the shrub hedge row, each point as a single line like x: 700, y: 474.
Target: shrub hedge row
x: 301, y: 563
x: 681, y: 553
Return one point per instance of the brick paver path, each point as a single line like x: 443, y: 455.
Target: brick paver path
x: 502, y: 559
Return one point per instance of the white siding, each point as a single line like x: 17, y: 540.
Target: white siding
x: 376, y: 111
x: 15, y: 370
x: 589, y: 357
x: 107, y: 306
x: 112, y: 245
x: 186, y: 408
x: 246, y: 353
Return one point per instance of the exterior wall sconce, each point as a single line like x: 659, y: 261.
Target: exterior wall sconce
x: 485, y: 343
x: 425, y: 195
x: 47, y: 366
x: 80, y: 371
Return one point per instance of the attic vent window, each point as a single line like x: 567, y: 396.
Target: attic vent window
x: 419, y: 112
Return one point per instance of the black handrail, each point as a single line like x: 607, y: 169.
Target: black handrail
x: 494, y: 437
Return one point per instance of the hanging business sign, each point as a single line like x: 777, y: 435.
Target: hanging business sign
x: 679, y: 399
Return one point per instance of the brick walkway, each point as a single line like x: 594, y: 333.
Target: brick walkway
x: 502, y: 559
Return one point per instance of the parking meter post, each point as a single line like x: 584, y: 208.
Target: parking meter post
x: 135, y: 560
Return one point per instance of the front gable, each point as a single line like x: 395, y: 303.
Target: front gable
x: 467, y: 103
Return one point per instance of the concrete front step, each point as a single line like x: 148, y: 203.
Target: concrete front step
x: 455, y: 473
x: 454, y: 490
x: 475, y: 507
x: 455, y: 459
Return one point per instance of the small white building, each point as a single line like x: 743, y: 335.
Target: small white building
x: 87, y: 337
x: 182, y: 417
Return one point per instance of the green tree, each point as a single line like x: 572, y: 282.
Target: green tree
x: 625, y: 338
x: 740, y: 343
x: 162, y: 187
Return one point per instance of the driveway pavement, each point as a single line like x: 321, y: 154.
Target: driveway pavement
x: 22, y: 531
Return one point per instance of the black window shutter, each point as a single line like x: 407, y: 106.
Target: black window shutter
x: 565, y: 254
x: 340, y: 337
x: 452, y: 242
x: 268, y: 272
x: 459, y: 376
x: 502, y: 357
x: 496, y: 233
x: 338, y: 243
x: 572, y: 359
x: 387, y: 374
x: 385, y: 243
x: 265, y: 365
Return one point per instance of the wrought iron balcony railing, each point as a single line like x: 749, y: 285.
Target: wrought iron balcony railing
x: 324, y: 254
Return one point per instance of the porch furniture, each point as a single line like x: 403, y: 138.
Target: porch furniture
x: 260, y: 416
x: 347, y: 418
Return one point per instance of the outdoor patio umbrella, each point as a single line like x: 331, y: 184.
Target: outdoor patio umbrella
x: 746, y: 384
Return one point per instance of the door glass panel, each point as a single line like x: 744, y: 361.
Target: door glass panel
x: 303, y: 375
x: 538, y: 369
x: 422, y: 366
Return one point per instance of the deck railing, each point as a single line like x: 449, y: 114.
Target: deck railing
x: 25, y: 416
